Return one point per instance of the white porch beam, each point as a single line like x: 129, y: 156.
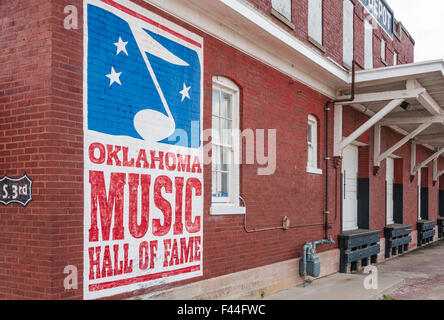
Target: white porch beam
x: 401, y: 142
x: 428, y: 160
x: 430, y: 140
x: 439, y: 174
x: 412, y: 120
x: 426, y: 100
x: 370, y: 123
x: 431, y: 136
x: 337, y: 133
x: 387, y: 95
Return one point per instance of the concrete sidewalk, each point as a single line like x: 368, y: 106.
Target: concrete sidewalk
x: 418, y: 274
x: 340, y: 286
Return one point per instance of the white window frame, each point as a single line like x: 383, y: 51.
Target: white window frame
x: 283, y: 8
x: 315, y: 23
x: 383, y: 50
x: 348, y: 31
x: 419, y: 193
x: 230, y: 204
x: 312, y: 167
x: 368, y: 45
x: 395, y: 58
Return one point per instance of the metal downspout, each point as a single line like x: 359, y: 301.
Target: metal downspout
x: 327, y: 149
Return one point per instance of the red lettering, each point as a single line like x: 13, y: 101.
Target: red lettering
x: 197, y: 242
x: 154, y: 159
x: 136, y: 230
x: 128, y: 267
x: 192, y: 183
x: 186, y: 252
x: 174, y: 254
x: 183, y: 164
x: 106, y: 204
x: 92, y: 148
x: 178, y: 225
x: 118, y: 265
x: 140, y: 158
x: 162, y: 204
x: 112, y: 154
x: 107, y: 270
x: 94, y: 262
x: 196, y: 166
x: 143, y: 255
x: 170, y: 157
x: 153, y: 251
x: 127, y: 163
x: 167, y: 246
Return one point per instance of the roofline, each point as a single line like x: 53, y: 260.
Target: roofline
x: 399, y: 72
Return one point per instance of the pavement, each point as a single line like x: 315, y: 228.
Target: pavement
x: 416, y: 275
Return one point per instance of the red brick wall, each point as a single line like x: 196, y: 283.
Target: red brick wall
x: 332, y: 32
x: 41, y: 107
x: 25, y: 146
x: 41, y: 133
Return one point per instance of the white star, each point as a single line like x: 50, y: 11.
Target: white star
x: 114, y: 76
x: 121, y: 46
x: 185, y: 92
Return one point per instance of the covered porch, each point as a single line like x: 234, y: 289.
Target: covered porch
x: 409, y: 100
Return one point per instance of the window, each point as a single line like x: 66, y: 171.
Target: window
x: 368, y: 45
x: 395, y: 58
x: 312, y: 146
x: 315, y: 22
x: 282, y: 8
x: 348, y: 15
x: 225, y: 148
x: 383, y: 49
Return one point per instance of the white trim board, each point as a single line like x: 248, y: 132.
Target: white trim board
x: 281, y: 50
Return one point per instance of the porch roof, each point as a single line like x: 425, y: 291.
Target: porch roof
x: 408, y: 98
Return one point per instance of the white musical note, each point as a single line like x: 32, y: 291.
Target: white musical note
x: 152, y: 125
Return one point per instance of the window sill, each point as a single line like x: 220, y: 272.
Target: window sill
x: 281, y: 18
x: 316, y: 44
x: 314, y: 170
x: 226, y: 209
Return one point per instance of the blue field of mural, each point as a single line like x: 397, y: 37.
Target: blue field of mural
x: 118, y: 90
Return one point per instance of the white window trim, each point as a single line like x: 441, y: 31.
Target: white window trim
x: 348, y: 45
x: 368, y: 45
x: 314, y: 136
x: 316, y: 26
x: 226, y: 209
x: 230, y: 205
x: 314, y: 170
x: 281, y: 15
x: 384, y: 50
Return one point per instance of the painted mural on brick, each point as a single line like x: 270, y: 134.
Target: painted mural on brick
x: 143, y: 150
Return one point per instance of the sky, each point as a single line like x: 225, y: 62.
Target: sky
x: 424, y: 20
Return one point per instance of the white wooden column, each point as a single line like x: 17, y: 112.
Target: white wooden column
x: 377, y: 145
x: 337, y: 135
x: 435, y: 170
x: 413, y: 161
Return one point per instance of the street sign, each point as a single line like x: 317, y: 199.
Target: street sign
x: 15, y: 190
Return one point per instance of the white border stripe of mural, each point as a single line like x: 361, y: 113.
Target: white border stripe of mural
x: 143, y: 197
